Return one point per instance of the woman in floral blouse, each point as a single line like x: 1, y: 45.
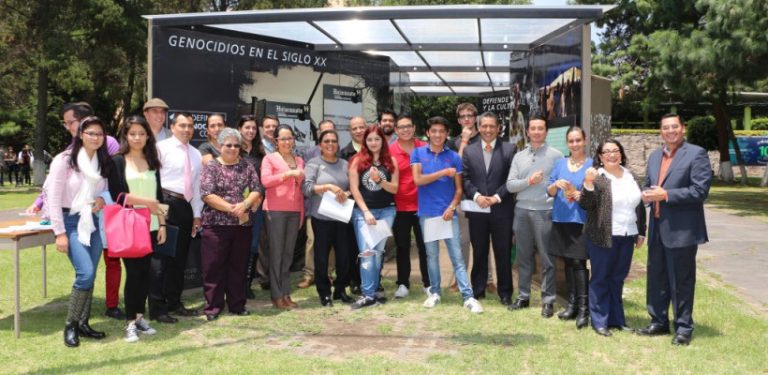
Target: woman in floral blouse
x: 226, y: 235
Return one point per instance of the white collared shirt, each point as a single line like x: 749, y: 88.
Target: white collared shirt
x: 625, y: 196
x: 493, y: 146
x: 171, y: 154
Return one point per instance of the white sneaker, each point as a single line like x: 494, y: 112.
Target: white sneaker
x: 473, y: 305
x: 143, y: 327
x: 130, y: 333
x: 401, y: 292
x: 432, y: 300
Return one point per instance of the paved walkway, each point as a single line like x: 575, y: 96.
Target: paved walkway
x: 737, y: 253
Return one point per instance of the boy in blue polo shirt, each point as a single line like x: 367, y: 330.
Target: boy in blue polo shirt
x: 437, y: 173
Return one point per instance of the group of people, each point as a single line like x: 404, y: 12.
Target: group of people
x: 18, y: 166
x: 250, y: 177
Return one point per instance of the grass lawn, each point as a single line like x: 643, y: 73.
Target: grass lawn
x: 17, y: 197
x: 399, y: 337
x: 750, y: 200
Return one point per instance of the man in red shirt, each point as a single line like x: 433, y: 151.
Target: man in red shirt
x: 406, y: 204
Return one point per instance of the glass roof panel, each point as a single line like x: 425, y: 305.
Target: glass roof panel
x: 519, y: 30
x: 422, y: 77
x: 480, y: 77
x: 401, y: 58
x: 298, y: 31
x: 499, y: 78
x: 452, y: 58
x: 496, y: 59
x: 439, y: 30
x: 469, y: 89
x: 362, y: 31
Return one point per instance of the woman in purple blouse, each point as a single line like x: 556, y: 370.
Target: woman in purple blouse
x: 226, y: 223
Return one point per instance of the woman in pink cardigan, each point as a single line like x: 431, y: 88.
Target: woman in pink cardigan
x: 282, y: 174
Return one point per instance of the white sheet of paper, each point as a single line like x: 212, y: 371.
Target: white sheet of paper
x: 331, y: 208
x: 435, y: 228
x: 373, y: 234
x: 472, y: 206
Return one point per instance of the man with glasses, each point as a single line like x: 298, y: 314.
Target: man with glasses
x: 528, y: 178
x: 180, y: 176
x: 306, y: 240
x: 406, y: 203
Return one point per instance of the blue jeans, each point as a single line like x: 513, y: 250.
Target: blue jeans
x: 454, y: 253
x: 257, y: 219
x: 370, y: 265
x: 84, y: 259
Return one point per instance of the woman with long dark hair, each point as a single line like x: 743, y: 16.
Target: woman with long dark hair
x: 615, y: 225
x: 373, y: 181
x: 76, y: 180
x: 253, y: 153
x: 136, y: 174
x: 568, y: 217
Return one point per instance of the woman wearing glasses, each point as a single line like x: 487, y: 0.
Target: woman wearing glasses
x: 77, y: 179
x: 328, y: 173
x: 282, y: 174
x: 226, y: 237
x: 615, y: 224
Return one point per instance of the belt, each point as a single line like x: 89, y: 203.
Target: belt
x: 174, y: 195
x: 65, y: 210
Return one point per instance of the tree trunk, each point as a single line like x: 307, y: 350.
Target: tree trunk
x: 41, y: 140
x: 737, y: 151
x: 721, y: 120
x: 764, y: 181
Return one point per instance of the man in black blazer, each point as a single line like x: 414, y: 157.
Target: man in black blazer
x: 677, y: 182
x: 486, y: 165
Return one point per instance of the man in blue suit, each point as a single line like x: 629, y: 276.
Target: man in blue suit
x: 486, y: 165
x: 677, y: 182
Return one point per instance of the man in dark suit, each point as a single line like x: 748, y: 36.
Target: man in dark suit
x: 486, y: 165
x: 677, y: 182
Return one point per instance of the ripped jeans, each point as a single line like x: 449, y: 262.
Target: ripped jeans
x: 370, y: 259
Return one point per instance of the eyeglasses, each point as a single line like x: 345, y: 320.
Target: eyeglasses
x: 285, y: 139
x: 231, y: 145
x: 330, y: 141
x: 608, y: 152
x: 94, y: 134
x: 467, y: 117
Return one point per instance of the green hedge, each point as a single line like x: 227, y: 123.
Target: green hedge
x: 760, y: 123
x: 739, y: 133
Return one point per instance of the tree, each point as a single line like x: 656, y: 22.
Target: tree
x: 691, y: 51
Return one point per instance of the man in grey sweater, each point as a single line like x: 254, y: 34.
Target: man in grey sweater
x: 528, y: 177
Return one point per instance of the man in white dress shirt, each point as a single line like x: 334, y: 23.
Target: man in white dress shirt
x: 180, y: 179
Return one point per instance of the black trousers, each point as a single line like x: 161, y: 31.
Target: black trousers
x: 137, y: 281
x: 671, y: 279
x: 406, y: 222
x: 331, y: 234
x: 167, y: 273
x: 484, y: 230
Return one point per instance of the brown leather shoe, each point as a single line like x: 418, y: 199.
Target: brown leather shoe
x: 491, y: 288
x: 307, y: 282
x: 279, y: 303
x: 289, y: 302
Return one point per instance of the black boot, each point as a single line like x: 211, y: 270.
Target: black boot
x: 582, y: 302
x: 84, y: 329
x: 71, y: 338
x: 249, y: 277
x: 570, y: 309
x: 341, y: 294
x: 74, y: 310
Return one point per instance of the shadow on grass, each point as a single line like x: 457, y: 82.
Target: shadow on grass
x: 642, y: 320
x: 502, y: 340
x: 743, y: 201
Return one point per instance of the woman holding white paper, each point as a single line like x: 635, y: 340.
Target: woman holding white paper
x: 373, y: 180
x: 326, y: 177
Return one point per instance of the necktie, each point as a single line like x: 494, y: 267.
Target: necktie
x: 488, y: 147
x: 187, y: 174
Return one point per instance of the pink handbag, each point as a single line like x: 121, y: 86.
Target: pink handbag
x: 127, y: 230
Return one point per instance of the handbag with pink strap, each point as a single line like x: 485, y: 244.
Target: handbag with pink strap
x: 127, y: 230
